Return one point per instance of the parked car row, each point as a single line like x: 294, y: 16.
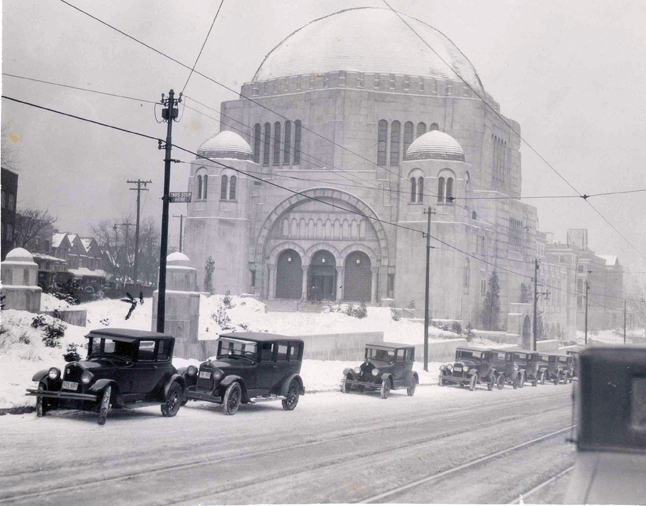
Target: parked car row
x: 497, y: 368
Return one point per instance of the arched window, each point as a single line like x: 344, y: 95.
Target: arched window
x: 382, y: 142
x: 277, y: 143
x: 223, y: 188
x: 421, y: 129
x: 205, y: 188
x: 467, y: 274
x: 420, y: 190
x: 265, y: 148
x: 440, y: 190
x: 474, y: 215
x: 199, y: 187
x: 257, y: 137
x: 297, y: 142
x: 288, y: 142
x: 395, y: 136
x: 408, y: 136
x: 232, y: 188
x: 433, y: 127
x: 413, y: 189
x: 449, y: 190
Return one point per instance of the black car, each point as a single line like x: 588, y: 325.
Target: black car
x: 123, y: 368
x: 387, y: 366
x: 249, y: 367
x: 527, y: 362
x: 556, y: 368
x: 508, y: 369
x: 472, y: 366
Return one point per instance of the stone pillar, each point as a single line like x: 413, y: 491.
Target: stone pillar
x: 373, y: 286
x: 20, y: 281
x: 306, y: 268
x: 340, y: 281
x: 272, y: 282
x: 182, y: 313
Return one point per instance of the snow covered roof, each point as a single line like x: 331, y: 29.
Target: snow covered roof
x: 84, y: 271
x: 435, y: 145
x: 19, y: 255
x: 57, y: 239
x: 610, y: 259
x: 87, y: 242
x: 48, y: 258
x: 369, y: 40
x: 226, y: 144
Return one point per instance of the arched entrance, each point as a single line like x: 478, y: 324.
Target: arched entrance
x: 289, y: 275
x: 322, y: 276
x: 357, y: 284
x: 527, y: 333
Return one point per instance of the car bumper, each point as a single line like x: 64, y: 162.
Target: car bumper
x: 197, y: 395
x: 60, y: 394
x: 454, y: 380
x: 367, y: 385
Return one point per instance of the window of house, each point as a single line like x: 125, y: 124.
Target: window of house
x: 297, y: 142
x: 449, y: 89
x: 377, y: 82
x: 223, y: 188
x: 232, y: 188
x: 277, y: 143
x: 406, y: 83
x: 581, y: 268
x: 413, y: 189
x: 11, y: 202
x: 342, y: 78
x: 326, y: 80
x: 288, y: 142
x: 361, y: 80
x: 298, y: 83
x: 440, y: 190
x: 266, y: 144
x: 433, y: 126
x: 312, y: 81
x: 253, y: 278
x: 395, y: 134
x: 257, y: 134
x: 420, y: 189
x: 421, y: 129
x: 391, y: 82
x: 408, y: 135
x: 579, y: 301
x: 382, y: 142
x: 199, y: 187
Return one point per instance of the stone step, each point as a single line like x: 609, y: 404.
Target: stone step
x: 281, y: 305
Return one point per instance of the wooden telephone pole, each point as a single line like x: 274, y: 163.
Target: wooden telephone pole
x: 429, y: 211
x: 138, y: 189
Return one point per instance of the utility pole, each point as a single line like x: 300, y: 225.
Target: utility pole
x: 169, y: 114
x: 127, y: 224
x: 181, y: 227
x: 138, y: 189
x: 624, y: 321
x: 587, y: 288
x: 429, y: 211
x: 535, y: 300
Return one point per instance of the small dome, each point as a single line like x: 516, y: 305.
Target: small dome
x: 19, y: 255
x: 226, y: 145
x: 177, y: 258
x: 435, y: 145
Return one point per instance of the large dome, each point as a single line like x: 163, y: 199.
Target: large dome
x: 369, y: 40
x: 226, y: 144
x: 435, y: 145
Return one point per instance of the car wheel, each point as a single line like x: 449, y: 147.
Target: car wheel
x: 557, y: 380
x: 514, y: 382
x: 411, y: 389
x: 440, y: 381
x: 41, y: 409
x: 521, y: 380
x: 232, y: 398
x: 345, y: 388
x: 473, y: 382
x: 569, y: 378
x: 385, y: 388
x: 500, y: 383
x: 534, y: 383
x: 290, y: 402
x: 104, y: 407
x: 543, y: 377
x: 173, y: 400
x: 491, y: 383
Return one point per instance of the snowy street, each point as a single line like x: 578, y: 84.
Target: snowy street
x: 333, y: 448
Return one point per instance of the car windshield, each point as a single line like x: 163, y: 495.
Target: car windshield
x: 238, y: 348
x: 544, y: 358
x: 469, y: 355
x: 383, y: 355
x: 111, y: 348
x: 563, y: 360
x: 524, y: 356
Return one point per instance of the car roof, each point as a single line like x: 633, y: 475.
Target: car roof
x: 498, y: 350
x: 128, y: 334
x: 460, y: 348
x: 524, y: 351
x: 260, y: 337
x: 389, y: 345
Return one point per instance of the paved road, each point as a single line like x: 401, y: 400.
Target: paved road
x: 444, y: 445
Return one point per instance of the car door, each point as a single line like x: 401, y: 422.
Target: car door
x: 282, y: 364
x: 267, y: 368
x: 398, y: 367
x: 145, y: 377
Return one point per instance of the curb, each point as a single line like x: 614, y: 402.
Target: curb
x: 17, y: 410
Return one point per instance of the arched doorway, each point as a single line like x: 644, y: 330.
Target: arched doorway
x: 322, y: 276
x: 289, y: 275
x: 527, y: 334
x: 357, y: 284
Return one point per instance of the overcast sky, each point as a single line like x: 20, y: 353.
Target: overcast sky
x: 571, y: 73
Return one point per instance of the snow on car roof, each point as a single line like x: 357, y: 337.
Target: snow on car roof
x: 128, y: 334
x: 260, y: 336
x: 389, y: 345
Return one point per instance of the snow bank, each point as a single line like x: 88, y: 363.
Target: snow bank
x: 49, y: 303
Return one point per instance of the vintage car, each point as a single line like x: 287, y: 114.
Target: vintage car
x: 610, y: 417
x: 123, y: 368
x: 387, y: 366
x: 555, y: 368
x: 472, y: 367
x: 527, y: 362
x: 249, y: 367
x: 508, y: 370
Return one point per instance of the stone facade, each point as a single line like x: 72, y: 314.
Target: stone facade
x: 20, y: 281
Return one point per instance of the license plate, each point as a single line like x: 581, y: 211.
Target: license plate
x: 205, y: 375
x: 70, y: 385
x: 457, y: 368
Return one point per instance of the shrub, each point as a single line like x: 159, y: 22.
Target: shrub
x: 411, y: 304
x: 394, y: 314
x: 72, y: 354
x: 227, y: 300
x: 360, y: 311
x: 38, y: 321
x: 469, y: 333
x: 24, y: 339
x: 53, y: 334
x: 456, y: 328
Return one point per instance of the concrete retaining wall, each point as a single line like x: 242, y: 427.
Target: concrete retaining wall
x: 76, y: 317
x: 439, y: 351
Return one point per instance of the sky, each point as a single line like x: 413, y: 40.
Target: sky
x: 571, y: 73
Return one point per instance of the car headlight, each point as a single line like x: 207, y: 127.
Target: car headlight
x: 442, y: 367
x: 86, y: 377
x: 357, y: 370
x: 375, y: 372
x: 54, y: 373
x: 192, y: 370
x: 467, y: 370
x: 449, y: 367
x: 218, y: 375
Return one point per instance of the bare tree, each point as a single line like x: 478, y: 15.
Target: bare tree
x: 29, y: 223
x: 10, y: 152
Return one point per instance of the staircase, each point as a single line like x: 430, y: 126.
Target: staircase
x: 281, y: 305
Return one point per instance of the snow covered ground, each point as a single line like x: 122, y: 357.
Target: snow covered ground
x: 610, y: 336
x: 23, y: 353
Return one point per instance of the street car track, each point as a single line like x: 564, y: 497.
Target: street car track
x: 479, y: 460
x: 50, y: 492
x: 542, y: 485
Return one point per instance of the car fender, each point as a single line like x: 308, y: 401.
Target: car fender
x: 40, y: 375
x: 350, y: 371
x: 387, y: 376
x: 99, y: 386
x: 286, y: 383
x: 412, y: 374
x: 175, y: 377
